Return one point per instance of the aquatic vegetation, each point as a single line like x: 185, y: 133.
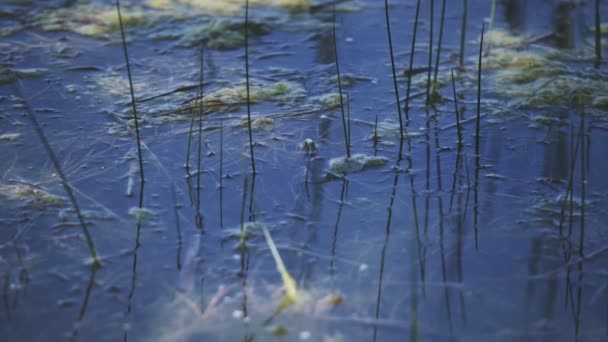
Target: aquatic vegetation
x: 10, y: 136
x: 31, y: 195
x: 538, y: 77
x: 563, y: 90
x: 225, y: 34
x: 116, y: 84
x: 331, y: 100
x: 389, y: 130
x: 502, y: 38
x: 259, y: 91
x: 356, y: 163
x: 92, y: 19
x: 230, y: 6
x: 141, y: 214
x: 8, y: 75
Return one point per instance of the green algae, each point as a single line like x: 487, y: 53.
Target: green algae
x: 564, y: 90
x: 30, y: 194
x: 539, y: 77
x: 227, y: 7
x: 356, y: 163
x: 141, y: 214
x: 389, y: 130
x: 331, y: 100
x: 502, y: 38
x: 259, y: 91
x: 225, y: 34
x: 92, y: 19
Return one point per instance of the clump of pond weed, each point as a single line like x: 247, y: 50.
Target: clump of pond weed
x: 31, y: 195
x: 259, y: 91
x: 225, y: 34
x: 92, y: 19
x: 356, y: 163
x: 539, y: 77
x: 142, y: 214
x: 227, y: 7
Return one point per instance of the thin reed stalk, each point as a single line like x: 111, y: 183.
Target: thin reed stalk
x: 456, y: 111
x: 582, y: 179
x: 411, y: 64
x: 428, y: 78
x: 199, y: 217
x: 478, y: 118
x: 95, y: 261
x: 375, y: 137
x: 134, y: 107
x: 344, y: 126
x: 191, y: 130
x: 477, y: 138
x: 598, y: 35
x: 222, y: 173
x: 247, y: 86
x: 390, y: 47
x: 463, y: 31
x: 439, y: 42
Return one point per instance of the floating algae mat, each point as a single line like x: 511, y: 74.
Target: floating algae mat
x: 274, y: 203
x: 356, y: 162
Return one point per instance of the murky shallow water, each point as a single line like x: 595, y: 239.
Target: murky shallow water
x: 384, y: 254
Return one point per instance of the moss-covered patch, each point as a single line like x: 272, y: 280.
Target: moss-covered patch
x: 539, y: 77
x: 230, y: 6
x: 141, y: 214
x: 259, y: 91
x: 31, y: 195
x: 564, y: 90
x: 224, y: 34
x: 92, y: 19
x: 356, y: 163
x: 116, y: 84
x: 502, y: 38
x: 331, y: 100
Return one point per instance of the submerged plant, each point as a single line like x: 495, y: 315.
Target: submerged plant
x: 355, y: 163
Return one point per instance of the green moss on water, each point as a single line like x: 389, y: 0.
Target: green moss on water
x: 259, y: 91
x: 502, y: 38
x: 225, y: 34
x: 141, y: 214
x: 331, y: 100
x: 564, y: 90
x: 92, y: 19
x: 227, y: 7
x: 541, y: 77
x: 356, y: 163
x: 31, y: 195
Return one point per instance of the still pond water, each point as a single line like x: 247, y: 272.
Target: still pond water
x: 432, y: 245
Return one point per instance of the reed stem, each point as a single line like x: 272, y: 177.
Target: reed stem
x: 247, y: 86
x: 96, y: 262
x: 344, y: 125
x: 439, y: 41
x: 390, y: 47
x: 411, y: 64
x: 134, y: 107
x: 463, y: 32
